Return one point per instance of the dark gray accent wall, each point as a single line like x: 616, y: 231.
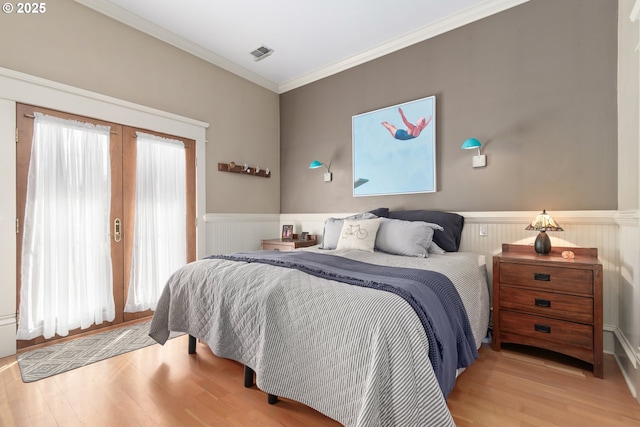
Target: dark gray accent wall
x: 536, y: 84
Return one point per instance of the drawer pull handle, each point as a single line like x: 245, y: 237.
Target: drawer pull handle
x: 543, y: 328
x: 543, y: 302
x: 544, y: 277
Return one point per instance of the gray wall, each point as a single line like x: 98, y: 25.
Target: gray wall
x: 75, y: 45
x: 536, y: 84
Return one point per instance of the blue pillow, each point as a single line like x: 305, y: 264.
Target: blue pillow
x: 449, y: 238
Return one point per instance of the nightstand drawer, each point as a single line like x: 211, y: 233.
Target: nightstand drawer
x: 547, y: 329
x: 277, y: 247
x: 548, y: 278
x: 563, y: 307
x: 285, y: 245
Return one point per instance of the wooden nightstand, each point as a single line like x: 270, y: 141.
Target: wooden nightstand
x: 549, y: 302
x: 285, y: 245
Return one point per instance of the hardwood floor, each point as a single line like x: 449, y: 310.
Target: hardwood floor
x: 523, y: 386
x: 163, y: 386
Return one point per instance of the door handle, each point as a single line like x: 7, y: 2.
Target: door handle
x: 117, y: 230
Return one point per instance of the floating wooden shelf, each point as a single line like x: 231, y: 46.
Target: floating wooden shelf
x: 231, y: 167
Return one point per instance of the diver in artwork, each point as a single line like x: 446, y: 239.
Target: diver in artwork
x: 412, y: 131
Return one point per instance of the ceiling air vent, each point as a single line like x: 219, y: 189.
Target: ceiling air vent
x: 261, y: 53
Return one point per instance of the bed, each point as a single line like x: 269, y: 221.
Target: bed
x: 358, y: 354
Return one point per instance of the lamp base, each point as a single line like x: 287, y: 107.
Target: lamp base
x: 542, y: 244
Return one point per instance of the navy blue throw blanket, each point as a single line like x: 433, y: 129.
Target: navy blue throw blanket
x: 430, y: 294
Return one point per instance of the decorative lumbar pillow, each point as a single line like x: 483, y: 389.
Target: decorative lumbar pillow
x: 333, y: 228
x: 360, y: 234
x: 452, y: 223
x: 409, y: 238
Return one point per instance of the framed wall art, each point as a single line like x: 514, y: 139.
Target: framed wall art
x: 394, y: 149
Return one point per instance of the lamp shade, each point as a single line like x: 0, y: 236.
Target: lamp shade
x: 471, y: 143
x: 542, y: 223
x: 315, y: 164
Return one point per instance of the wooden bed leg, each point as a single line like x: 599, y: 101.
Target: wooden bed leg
x: 192, y: 344
x: 248, y: 376
x: 272, y: 399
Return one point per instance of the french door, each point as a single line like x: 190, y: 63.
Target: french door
x: 123, y: 168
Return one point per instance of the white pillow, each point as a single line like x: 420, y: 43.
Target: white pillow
x: 333, y: 229
x: 408, y: 238
x: 359, y: 235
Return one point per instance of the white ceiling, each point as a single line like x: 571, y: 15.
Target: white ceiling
x: 311, y: 39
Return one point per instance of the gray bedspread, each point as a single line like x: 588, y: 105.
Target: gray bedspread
x: 431, y: 295
x: 356, y: 354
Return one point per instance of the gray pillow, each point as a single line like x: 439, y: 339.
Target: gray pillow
x: 408, y: 238
x: 333, y: 228
x: 449, y: 238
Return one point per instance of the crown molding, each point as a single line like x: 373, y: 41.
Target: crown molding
x: 175, y: 40
x: 482, y: 10
x: 464, y: 17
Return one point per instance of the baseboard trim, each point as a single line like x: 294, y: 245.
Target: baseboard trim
x: 624, y: 343
x: 621, y: 342
x: 8, y: 335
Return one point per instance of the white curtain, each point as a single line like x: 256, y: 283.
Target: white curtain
x: 160, y: 237
x: 66, y: 257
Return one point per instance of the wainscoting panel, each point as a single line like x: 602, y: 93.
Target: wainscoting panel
x: 229, y: 233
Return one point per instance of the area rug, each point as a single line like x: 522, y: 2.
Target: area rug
x: 57, y: 358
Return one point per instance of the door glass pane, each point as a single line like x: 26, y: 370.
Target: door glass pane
x: 159, y: 241
x: 66, y: 263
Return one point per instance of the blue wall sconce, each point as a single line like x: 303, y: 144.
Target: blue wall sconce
x: 316, y: 164
x: 480, y: 160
